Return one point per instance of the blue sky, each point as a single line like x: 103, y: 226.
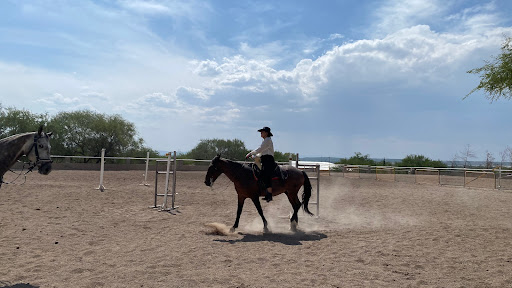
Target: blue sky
x: 331, y: 78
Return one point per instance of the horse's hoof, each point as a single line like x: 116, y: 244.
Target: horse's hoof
x: 266, y: 230
x: 232, y: 230
x: 293, y: 226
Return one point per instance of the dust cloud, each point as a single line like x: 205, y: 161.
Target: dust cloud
x: 344, y: 204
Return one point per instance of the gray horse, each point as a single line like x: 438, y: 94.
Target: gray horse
x: 35, y: 145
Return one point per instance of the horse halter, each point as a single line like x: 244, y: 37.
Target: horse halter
x: 39, y: 161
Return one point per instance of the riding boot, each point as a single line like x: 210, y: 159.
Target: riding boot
x: 268, y: 196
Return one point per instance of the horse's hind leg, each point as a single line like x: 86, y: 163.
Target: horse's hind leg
x: 257, y: 203
x: 294, y: 200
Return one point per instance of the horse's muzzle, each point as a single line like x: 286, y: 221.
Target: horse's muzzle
x: 207, y: 182
x: 45, y: 168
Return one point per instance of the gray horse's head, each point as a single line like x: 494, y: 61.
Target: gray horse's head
x: 40, y: 152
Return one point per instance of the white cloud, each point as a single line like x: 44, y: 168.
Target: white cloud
x: 145, y: 7
x: 207, y: 68
x: 58, y: 99
x: 399, y: 14
x: 93, y: 94
x: 175, y: 107
x: 190, y: 10
x: 415, y: 55
x: 335, y: 36
x: 188, y: 92
x: 298, y: 110
x: 38, y: 89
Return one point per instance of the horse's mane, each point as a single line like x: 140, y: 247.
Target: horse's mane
x: 236, y: 165
x: 231, y: 162
x: 14, y: 137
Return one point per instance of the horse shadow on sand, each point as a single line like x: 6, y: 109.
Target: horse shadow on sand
x: 18, y: 285
x: 284, y: 238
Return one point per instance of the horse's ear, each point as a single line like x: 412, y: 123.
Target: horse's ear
x: 49, y: 134
x: 40, y: 130
x: 218, y: 155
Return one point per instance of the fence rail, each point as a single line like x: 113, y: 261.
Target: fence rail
x: 496, y: 178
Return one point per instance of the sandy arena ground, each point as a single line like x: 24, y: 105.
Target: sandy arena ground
x: 58, y: 231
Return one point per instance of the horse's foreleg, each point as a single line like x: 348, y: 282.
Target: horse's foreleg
x: 238, y: 213
x: 257, y: 203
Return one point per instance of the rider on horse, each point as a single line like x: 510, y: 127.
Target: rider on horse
x: 266, y: 150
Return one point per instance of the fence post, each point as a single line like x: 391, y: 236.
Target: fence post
x: 499, y: 179
x: 464, y: 177
x: 102, y: 169
x: 317, y: 190
x: 173, y: 181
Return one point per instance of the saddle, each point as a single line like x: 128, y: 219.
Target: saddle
x: 277, y: 174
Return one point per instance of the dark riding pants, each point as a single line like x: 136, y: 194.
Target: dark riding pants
x: 269, y: 165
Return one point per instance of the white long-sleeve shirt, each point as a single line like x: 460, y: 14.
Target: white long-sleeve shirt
x: 266, y: 147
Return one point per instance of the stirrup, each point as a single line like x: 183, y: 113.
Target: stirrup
x: 268, y: 197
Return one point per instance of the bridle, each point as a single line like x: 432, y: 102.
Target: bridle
x: 39, y: 161
x: 211, y: 178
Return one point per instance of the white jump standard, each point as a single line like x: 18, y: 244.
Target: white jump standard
x: 102, y: 171
x: 316, y: 168
x: 170, y: 161
x: 145, y: 183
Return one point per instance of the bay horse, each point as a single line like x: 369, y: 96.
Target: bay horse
x: 247, y: 186
x: 35, y: 145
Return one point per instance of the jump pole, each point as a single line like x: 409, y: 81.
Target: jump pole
x: 102, y: 170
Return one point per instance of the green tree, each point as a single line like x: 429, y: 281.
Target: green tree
x: 357, y: 159
x: 14, y: 121
x: 283, y: 157
x: 86, y: 132
x: 496, y: 75
x: 420, y: 161
x: 208, y: 148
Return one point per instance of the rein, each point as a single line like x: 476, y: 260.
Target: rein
x: 229, y: 183
x: 33, y: 165
x: 30, y: 168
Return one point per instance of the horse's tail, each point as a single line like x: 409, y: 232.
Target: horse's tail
x: 306, y: 195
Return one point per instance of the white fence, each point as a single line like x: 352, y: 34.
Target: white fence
x: 466, y: 177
